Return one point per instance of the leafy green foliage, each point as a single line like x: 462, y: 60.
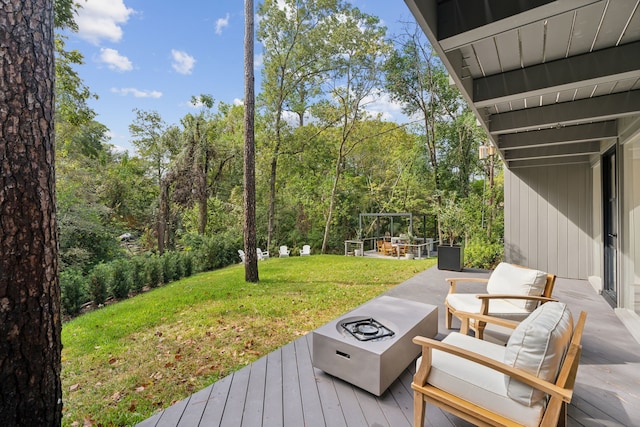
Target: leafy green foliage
x: 154, y: 271
x: 120, y: 282
x: 481, y: 252
x: 73, y: 289
x: 99, y: 283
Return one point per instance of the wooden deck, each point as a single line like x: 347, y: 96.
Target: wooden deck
x: 283, y: 388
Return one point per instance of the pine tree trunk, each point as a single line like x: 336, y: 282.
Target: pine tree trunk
x: 251, y: 264
x: 30, y: 324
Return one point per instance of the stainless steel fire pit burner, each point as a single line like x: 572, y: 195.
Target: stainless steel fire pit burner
x: 367, y: 329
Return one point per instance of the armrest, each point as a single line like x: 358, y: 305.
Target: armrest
x: 429, y: 344
x: 486, y: 298
x: 466, y: 316
x: 454, y: 281
x: 509, y: 296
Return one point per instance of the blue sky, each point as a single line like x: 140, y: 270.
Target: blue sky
x: 156, y: 55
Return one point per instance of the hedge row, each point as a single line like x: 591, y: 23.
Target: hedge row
x: 120, y: 278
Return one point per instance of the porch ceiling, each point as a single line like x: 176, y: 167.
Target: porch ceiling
x: 548, y: 80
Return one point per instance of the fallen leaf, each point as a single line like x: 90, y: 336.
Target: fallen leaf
x: 139, y: 389
x: 74, y: 387
x: 116, y: 396
x: 112, y: 360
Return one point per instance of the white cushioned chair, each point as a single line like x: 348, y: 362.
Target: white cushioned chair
x: 527, y: 383
x: 512, y: 292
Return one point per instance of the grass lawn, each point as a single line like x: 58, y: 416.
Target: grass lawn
x: 123, y: 362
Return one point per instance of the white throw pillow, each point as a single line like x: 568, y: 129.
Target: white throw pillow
x: 538, y: 346
x: 513, y: 280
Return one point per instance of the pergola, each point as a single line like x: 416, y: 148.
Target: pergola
x: 387, y: 215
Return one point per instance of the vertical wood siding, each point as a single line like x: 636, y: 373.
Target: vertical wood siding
x: 548, y: 219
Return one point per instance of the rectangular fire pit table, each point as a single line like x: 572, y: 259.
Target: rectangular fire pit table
x: 371, y: 345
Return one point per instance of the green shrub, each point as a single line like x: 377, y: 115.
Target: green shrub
x: 480, y: 252
x: 187, y: 264
x: 211, y: 253
x: 73, y: 290
x: 99, y: 283
x: 139, y: 273
x: 178, y: 267
x: 121, y: 279
x: 154, y: 271
x: 167, y: 261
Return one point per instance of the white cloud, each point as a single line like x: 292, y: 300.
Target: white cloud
x: 114, y: 60
x: 258, y: 60
x: 182, y: 62
x: 222, y: 23
x: 381, y: 103
x: 136, y: 92
x: 238, y: 101
x: 102, y: 20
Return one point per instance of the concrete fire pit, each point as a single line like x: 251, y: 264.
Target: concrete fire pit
x: 371, y: 345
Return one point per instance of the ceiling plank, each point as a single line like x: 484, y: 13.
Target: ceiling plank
x: 564, y: 135
x: 582, y: 111
x: 616, y: 63
x: 463, y: 22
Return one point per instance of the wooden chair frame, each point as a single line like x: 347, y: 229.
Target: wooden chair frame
x: 479, y: 326
x: 560, y: 392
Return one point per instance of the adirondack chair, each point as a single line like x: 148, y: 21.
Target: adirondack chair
x: 241, y: 253
x: 513, y: 292
x: 305, y: 251
x: 262, y: 255
x: 284, y: 251
x: 527, y: 383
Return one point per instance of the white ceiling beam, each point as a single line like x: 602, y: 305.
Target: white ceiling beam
x: 564, y: 135
x: 595, y: 109
x: 568, y: 150
x: 515, y: 164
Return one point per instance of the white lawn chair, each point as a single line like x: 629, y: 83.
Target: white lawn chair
x: 284, y: 251
x: 305, y: 251
x: 241, y: 253
x: 262, y: 255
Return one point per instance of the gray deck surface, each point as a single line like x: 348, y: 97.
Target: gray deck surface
x: 283, y: 388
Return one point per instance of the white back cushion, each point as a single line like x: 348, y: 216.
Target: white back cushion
x: 538, y: 346
x: 512, y: 280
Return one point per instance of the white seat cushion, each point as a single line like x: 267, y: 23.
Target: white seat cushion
x: 512, y: 280
x: 538, y: 346
x: 497, y: 307
x: 476, y: 383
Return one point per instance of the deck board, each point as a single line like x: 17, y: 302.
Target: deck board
x: 292, y: 401
x: 273, y: 412
x: 195, y: 408
x: 284, y: 389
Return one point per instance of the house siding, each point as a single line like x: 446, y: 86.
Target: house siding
x: 548, y: 219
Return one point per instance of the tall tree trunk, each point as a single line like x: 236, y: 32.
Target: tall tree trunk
x: 30, y: 325
x: 332, y: 202
x: 251, y: 260
x: 163, y: 214
x: 272, y: 183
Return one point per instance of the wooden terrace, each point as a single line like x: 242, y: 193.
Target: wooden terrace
x: 284, y: 389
